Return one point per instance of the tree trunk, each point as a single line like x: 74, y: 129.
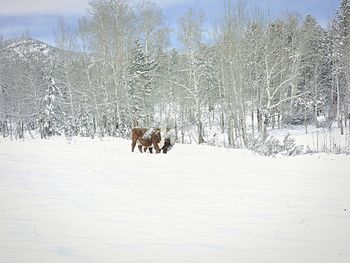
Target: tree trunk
x: 279, y: 120
x: 222, y: 122
x: 244, y: 132
x: 252, y: 117
x: 266, y: 123
x: 176, y: 131
x: 230, y: 134
x: 305, y: 121
x: 200, y: 132
x: 22, y: 130
x: 11, y: 133
x: 259, y: 119
x: 4, y: 130
x: 341, y: 125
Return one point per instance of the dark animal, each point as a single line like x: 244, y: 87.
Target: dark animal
x: 167, y: 145
x: 145, y: 138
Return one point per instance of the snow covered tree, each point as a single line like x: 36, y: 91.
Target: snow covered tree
x: 153, y: 34
x: 53, y: 116
x: 109, y: 32
x: 281, y: 66
x: 208, y: 78
x: 65, y: 69
x: 190, y: 33
x: 340, y: 35
x: 233, y: 53
x: 253, y: 67
x: 312, y: 71
x: 141, y: 72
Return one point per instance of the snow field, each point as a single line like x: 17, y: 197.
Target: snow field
x: 95, y: 201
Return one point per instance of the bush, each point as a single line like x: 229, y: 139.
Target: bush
x: 271, y: 146
x: 297, y: 119
x: 289, y: 146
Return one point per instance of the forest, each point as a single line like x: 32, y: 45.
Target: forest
x: 240, y: 76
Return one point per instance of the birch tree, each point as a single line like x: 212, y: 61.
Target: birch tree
x: 190, y: 35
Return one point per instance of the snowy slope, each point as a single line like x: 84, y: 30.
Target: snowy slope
x: 95, y: 201
x: 26, y: 48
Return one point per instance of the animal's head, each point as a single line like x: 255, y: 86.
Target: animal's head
x: 167, y: 145
x: 156, y: 135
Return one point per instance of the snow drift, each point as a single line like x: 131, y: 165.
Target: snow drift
x: 95, y: 201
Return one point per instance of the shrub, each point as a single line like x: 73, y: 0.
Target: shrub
x: 271, y: 146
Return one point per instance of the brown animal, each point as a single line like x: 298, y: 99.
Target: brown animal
x: 146, y: 138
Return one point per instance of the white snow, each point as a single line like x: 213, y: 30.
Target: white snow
x: 95, y: 201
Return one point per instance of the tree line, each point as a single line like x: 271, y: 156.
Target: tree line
x: 244, y: 74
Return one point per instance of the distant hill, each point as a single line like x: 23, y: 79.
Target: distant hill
x: 25, y: 48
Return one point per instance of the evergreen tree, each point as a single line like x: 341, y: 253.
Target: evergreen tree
x: 340, y: 34
x: 53, y: 116
x: 312, y: 71
x: 208, y: 79
x: 141, y: 72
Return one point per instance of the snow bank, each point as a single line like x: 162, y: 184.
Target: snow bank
x: 95, y: 201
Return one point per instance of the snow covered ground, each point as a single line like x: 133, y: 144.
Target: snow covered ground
x: 95, y: 201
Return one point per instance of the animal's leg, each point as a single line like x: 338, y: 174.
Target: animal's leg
x: 133, y: 144
x: 156, y: 147
x: 150, y: 149
x: 140, y: 148
x: 145, y: 149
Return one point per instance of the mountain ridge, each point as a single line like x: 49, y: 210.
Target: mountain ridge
x: 26, y: 48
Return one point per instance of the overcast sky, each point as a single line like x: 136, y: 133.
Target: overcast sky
x: 39, y: 17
